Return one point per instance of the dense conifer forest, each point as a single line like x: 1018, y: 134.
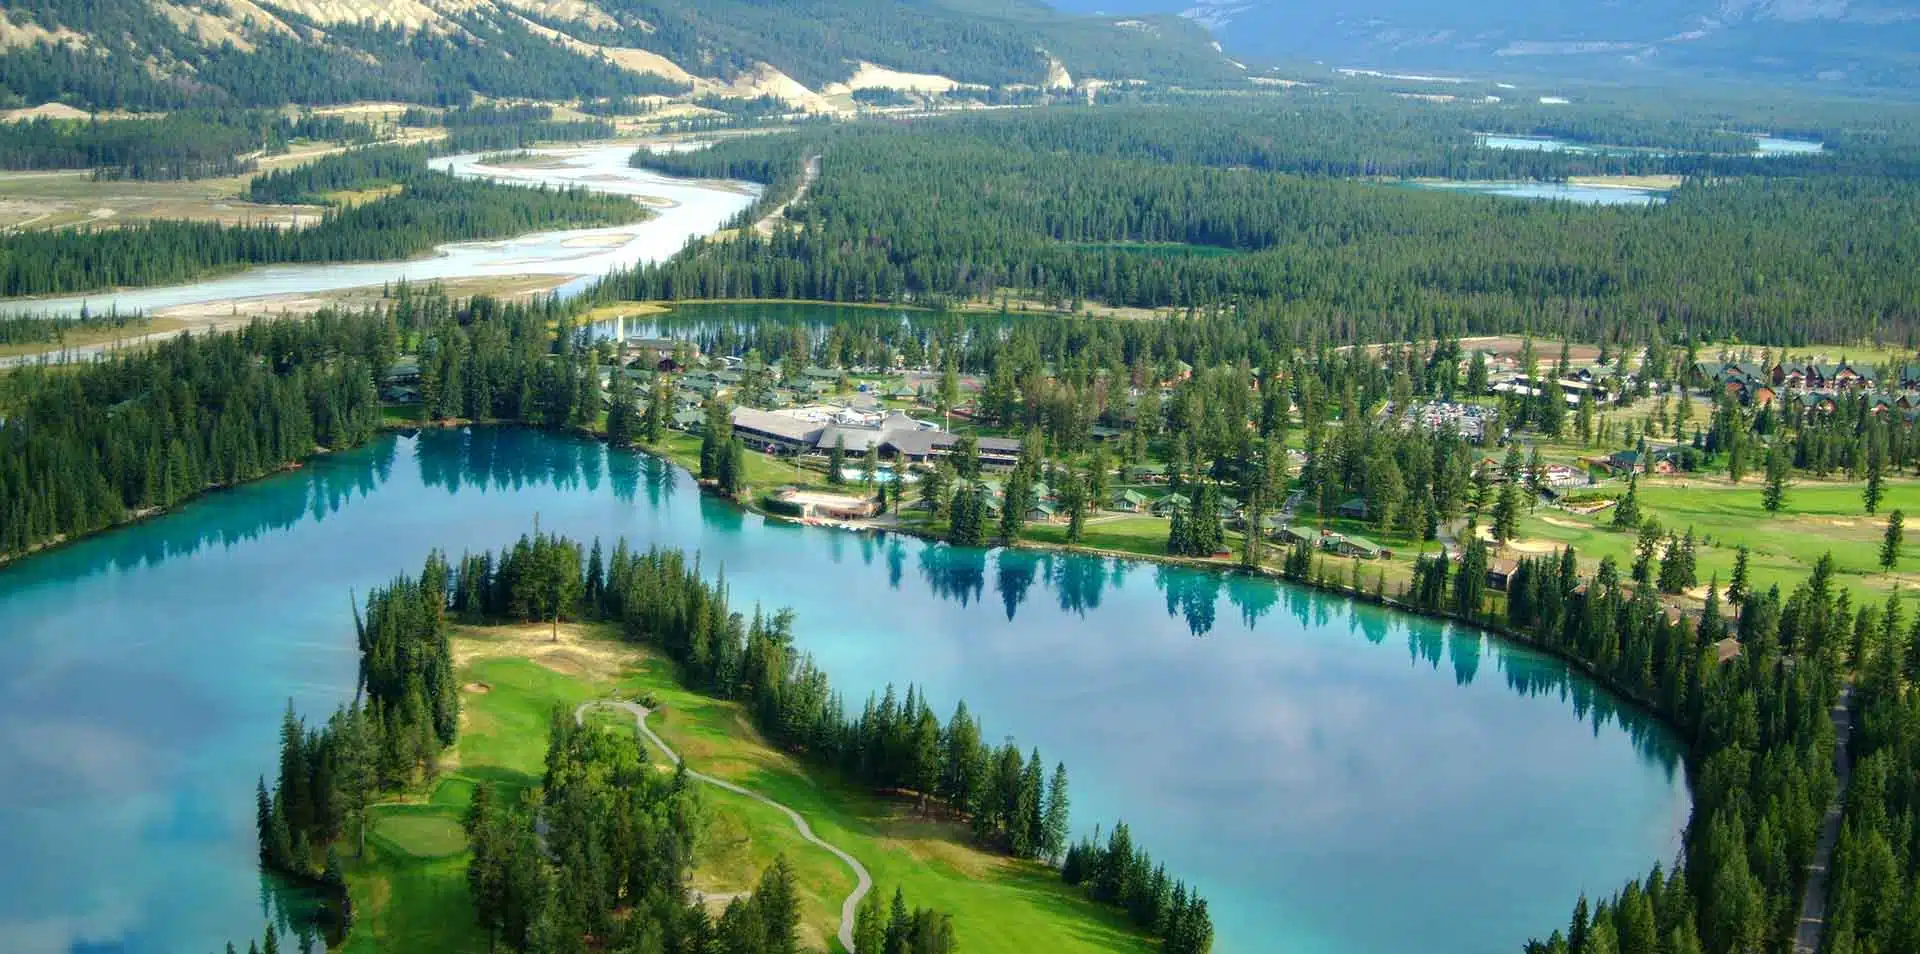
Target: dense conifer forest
x: 192, y: 144
x: 82, y: 448
x: 936, y: 211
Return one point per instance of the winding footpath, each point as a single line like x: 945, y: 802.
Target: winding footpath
x: 849, y: 907
x: 1813, y: 906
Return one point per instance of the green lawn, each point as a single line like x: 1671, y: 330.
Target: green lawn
x: 998, y: 904
x: 764, y: 472
x: 410, y: 891
x: 1128, y: 533
x: 1818, y: 518
x: 400, y: 415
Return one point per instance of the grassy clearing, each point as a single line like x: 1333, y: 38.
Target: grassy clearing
x: 83, y: 337
x: 46, y: 200
x: 400, y: 415
x: 1127, y: 534
x: 349, y: 198
x: 410, y: 891
x: 999, y: 905
x: 1819, y: 518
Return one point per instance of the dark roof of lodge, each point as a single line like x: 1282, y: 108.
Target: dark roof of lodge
x: 914, y: 443
x: 989, y: 445
x: 776, y: 425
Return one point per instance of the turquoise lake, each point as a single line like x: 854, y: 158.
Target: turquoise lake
x: 1336, y: 778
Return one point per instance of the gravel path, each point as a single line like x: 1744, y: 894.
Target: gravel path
x: 1813, y: 907
x: 849, y: 907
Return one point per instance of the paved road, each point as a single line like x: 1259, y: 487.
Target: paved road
x: 849, y: 907
x: 1813, y: 907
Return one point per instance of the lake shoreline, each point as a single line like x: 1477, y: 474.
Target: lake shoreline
x: 448, y: 462
x: 1642, y: 706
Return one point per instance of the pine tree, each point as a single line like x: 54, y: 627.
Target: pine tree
x: 1626, y: 515
x: 1029, y: 820
x: 1073, y: 496
x: 659, y: 411
x: 1013, y: 506
x: 778, y: 905
x: 1506, y: 513
x: 1876, y: 476
x: 869, y: 926
x: 1774, y: 496
x: 899, y: 931
x: 1737, y: 586
x: 1058, y: 820
x: 837, y: 461
x: 1890, y: 543
x: 1646, y: 551
x: 621, y: 412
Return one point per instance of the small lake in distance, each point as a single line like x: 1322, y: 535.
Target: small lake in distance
x: 1764, y: 145
x: 1558, y: 191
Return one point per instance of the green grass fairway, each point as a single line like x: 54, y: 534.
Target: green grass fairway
x: 422, y: 831
x: 410, y: 891
x: 1818, y: 518
x: 998, y: 904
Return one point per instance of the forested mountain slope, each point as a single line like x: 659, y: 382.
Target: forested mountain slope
x: 167, y: 54
x: 1823, y: 41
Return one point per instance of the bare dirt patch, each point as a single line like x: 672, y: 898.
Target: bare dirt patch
x: 1529, y: 547
x: 477, y: 688
x: 1532, y: 547
x: 43, y: 111
x: 579, y: 651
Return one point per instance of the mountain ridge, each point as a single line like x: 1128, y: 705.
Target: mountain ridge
x: 161, y: 54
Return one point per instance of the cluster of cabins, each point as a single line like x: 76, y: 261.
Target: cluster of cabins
x: 1343, y: 544
x: 696, y: 378
x: 1275, y: 526
x: 1573, y: 387
x: 1654, y: 460
x: 1815, y: 385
